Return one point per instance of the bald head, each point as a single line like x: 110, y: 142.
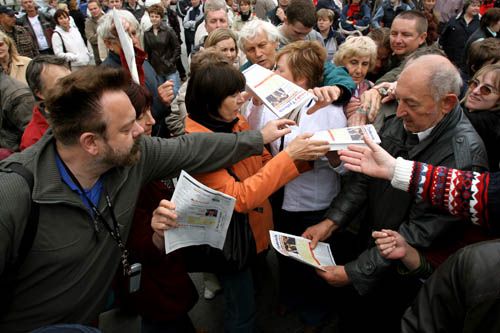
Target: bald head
x: 440, y: 74
x: 427, y: 90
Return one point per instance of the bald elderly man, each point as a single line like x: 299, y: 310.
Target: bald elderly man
x: 429, y: 126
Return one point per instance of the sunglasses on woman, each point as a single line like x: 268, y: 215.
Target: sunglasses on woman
x: 483, y: 89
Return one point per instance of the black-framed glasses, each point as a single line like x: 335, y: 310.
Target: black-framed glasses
x: 483, y: 89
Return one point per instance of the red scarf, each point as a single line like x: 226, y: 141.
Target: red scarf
x: 140, y: 57
x: 353, y: 12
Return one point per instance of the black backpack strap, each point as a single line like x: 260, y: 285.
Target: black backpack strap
x: 32, y: 223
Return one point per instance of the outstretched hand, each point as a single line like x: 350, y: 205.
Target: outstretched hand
x: 275, y: 129
x: 335, y: 276
x: 320, y: 231
x: 373, y: 160
x: 390, y: 244
x: 324, y: 96
x: 301, y: 148
x: 371, y: 99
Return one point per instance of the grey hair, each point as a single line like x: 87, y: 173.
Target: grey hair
x: 214, y: 5
x: 444, y: 80
x: 106, y: 27
x: 253, y: 27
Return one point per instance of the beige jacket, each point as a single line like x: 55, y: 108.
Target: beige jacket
x: 18, y: 68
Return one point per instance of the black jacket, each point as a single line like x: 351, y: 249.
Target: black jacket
x: 463, y: 295
x: 453, y: 143
x: 454, y: 37
x: 138, y: 11
x: 163, y: 49
x: 487, y: 125
x: 272, y: 17
x: 477, y: 35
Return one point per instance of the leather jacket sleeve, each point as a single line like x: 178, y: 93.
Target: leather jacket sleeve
x: 347, y: 203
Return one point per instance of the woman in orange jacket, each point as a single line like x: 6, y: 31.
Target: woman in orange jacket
x: 213, y: 101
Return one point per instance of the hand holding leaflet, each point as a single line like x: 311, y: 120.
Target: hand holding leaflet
x: 203, y: 215
x: 299, y: 248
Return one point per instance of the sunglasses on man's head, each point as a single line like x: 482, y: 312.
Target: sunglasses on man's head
x: 483, y: 89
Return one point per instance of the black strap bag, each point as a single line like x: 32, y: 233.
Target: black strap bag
x: 239, y: 249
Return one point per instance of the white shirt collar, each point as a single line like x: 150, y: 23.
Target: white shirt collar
x: 424, y: 134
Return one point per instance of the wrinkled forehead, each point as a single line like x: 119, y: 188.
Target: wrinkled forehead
x: 261, y: 37
x: 216, y: 15
x: 402, y: 24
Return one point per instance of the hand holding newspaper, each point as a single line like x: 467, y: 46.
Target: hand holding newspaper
x: 299, y: 248
x: 127, y: 46
x: 340, y: 138
x: 203, y: 215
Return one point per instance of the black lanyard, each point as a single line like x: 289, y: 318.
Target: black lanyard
x: 114, y: 230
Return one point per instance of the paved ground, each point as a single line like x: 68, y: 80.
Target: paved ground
x: 208, y: 315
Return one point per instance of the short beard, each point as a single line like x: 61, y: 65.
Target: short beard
x: 114, y: 159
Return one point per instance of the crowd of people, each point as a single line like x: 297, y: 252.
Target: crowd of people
x: 89, y: 157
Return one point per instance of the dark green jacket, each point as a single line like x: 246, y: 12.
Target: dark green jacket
x: 67, y: 274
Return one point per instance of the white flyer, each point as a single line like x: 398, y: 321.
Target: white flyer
x: 299, y: 248
x: 127, y: 47
x: 341, y: 138
x: 282, y: 97
x: 203, y: 215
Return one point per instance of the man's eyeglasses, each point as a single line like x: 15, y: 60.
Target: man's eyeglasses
x: 483, y: 89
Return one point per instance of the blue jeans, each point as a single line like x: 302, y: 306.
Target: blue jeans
x: 174, y: 77
x: 239, y: 308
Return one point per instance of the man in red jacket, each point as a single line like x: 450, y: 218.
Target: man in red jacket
x: 42, y: 74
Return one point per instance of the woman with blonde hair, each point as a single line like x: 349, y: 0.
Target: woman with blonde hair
x: 225, y: 41
x: 12, y: 63
x: 358, y: 54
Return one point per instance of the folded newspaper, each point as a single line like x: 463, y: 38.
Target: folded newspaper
x: 299, y: 248
x: 284, y: 98
x: 203, y: 215
x: 340, y: 138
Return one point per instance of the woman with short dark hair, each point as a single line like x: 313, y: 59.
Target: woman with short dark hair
x: 67, y: 42
x: 213, y: 100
